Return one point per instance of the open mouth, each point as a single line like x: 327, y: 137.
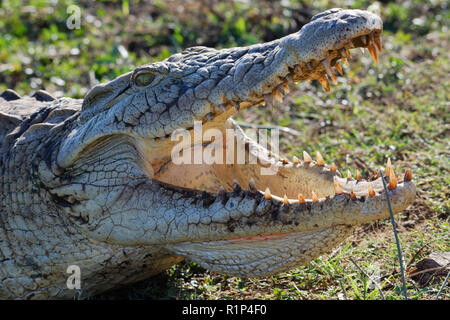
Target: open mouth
x: 308, y: 179
x: 267, y: 223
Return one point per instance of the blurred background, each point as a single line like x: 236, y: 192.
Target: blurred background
x: 398, y: 109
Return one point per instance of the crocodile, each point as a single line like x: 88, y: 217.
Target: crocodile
x: 94, y: 185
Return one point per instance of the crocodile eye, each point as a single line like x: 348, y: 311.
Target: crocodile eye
x: 144, y: 78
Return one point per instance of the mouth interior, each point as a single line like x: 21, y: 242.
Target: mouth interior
x: 293, y: 179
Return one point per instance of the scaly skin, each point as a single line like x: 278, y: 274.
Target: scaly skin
x: 92, y: 182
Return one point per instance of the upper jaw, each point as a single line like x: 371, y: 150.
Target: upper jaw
x: 313, y: 53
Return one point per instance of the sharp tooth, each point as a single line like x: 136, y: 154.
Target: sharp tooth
x: 388, y: 168
x: 326, y: 65
x: 349, y: 174
x: 324, y: 82
x: 348, y: 53
x: 306, y: 157
x: 237, y: 105
x: 361, y: 49
x: 408, y: 176
x: 281, y: 89
x: 352, y: 195
x: 371, y: 191
x: 358, y: 175
x: 252, y: 185
x: 333, y: 167
x: 286, y: 200
x: 269, y: 100
x: 277, y: 95
x: 373, y: 53
x: 300, y: 198
x: 375, y: 174
x: 345, y: 61
x: 295, y: 160
x: 377, y: 41
x: 315, y: 198
x: 319, y: 159
x: 339, y: 68
x: 267, y: 194
x: 392, y: 180
x: 222, y: 190
x: 337, y: 187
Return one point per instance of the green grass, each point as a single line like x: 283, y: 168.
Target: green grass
x: 398, y: 109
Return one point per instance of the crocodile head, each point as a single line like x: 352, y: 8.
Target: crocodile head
x: 128, y: 171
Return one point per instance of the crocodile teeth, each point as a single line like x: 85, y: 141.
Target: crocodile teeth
x: 358, y: 175
x: 373, y: 53
x: 314, y: 196
x: 352, y: 195
x: 377, y: 41
x: 306, y: 157
x: 286, y: 200
x: 392, y: 180
x: 222, y: 107
x: 222, y: 191
x: 326, y: 65
x: 388, y: 168
x: 252, y: 185
x: 371, y: 191
x: 269, y: 100
x: 375, y: 175
x: 277, y: 95
x: 319, y: 159
x: 339, y: 68
x: 333, y: 167
x: 295, y: 160
x: 337, y: 187
x: 324, y: 82
x: 300, y: 198
x: 361, y: 49
x: 349, y: 174
x: 408, y: 176
x: 347, y: 53
x: 344, y: 60
x: 267, y: 194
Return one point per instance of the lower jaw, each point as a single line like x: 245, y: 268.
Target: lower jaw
x: 262, y: 255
